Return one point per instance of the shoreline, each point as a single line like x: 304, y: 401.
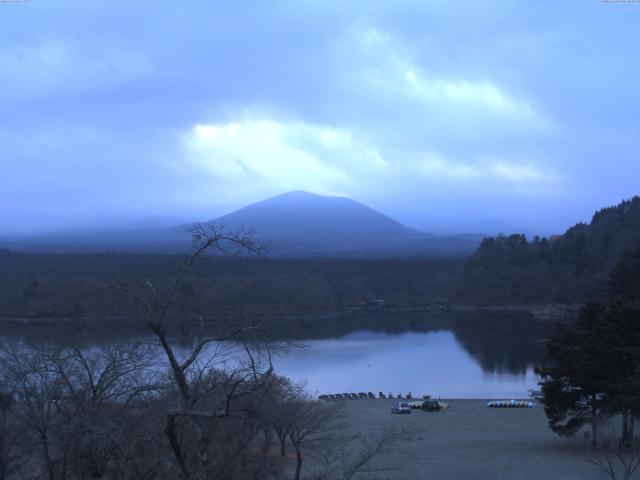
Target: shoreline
x: 470, y: 440
x: 543, y: 312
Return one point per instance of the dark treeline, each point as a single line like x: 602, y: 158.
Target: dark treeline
x: 504, y: 270
x: 46, y: 285
x: 567, y: 268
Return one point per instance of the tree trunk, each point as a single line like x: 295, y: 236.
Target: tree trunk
x: 172, y: 435
x: 283, y: 453
x: 47, y: 455
x: 298, y: 463
x: 268, y: 440
x: 594, y: 422
x: 625, y: 440
x: 178, y: 373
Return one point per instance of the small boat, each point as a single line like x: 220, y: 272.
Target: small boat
x: 511, y: 404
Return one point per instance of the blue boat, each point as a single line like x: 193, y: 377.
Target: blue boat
x: 511, y: 404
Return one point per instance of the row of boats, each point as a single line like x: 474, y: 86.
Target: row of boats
x: 368, y: 395
x: 511, y: 404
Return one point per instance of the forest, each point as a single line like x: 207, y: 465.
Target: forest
x: 504, y: 270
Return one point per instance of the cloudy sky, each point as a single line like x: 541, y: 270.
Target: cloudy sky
x: 448, y: 115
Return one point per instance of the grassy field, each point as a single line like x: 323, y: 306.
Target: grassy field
x: 471, y: 441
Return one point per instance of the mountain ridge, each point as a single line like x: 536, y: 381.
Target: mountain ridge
x: 295, y: 223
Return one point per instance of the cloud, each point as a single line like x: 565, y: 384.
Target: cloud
x: 519, y: 173
x: 385, y: 66
x: 486, y: 169
x: 260, y: 156
x: 437, y: 168
x: 31, y: 71
x: 116, y: 106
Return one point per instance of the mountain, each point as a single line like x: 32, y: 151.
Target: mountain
x: 292, y: 224
x: 304, y: 223
x: 301, y: 213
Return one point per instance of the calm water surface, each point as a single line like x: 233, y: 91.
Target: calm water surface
x: 464, y: 358
x: 431, y: 363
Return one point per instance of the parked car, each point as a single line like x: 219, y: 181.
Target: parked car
x: 431, y: 406
x: 401, y: 407
x: 585, y: 402
x: 535, y: 394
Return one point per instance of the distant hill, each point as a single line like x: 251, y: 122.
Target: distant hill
x: 562, y: 268
x: 593, y: 246
x: 293, y: 224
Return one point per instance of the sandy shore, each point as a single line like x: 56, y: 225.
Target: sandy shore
x: 471, y: 441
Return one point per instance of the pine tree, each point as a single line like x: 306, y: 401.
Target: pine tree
x: 573, y: 385
x: 594, y: 369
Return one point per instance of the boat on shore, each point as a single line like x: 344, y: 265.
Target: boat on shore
x: 511, y: 404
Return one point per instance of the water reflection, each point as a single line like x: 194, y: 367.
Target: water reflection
x: 421, y: 363
x: 503, y: 344
x: 471, y: 355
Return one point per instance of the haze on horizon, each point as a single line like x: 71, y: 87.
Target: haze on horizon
x: 448, y: 116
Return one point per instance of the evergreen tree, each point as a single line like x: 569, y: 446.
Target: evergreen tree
x: 573, y: 385
x: 594, y: 369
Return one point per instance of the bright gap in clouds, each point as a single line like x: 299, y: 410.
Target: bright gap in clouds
x: 251, y: 159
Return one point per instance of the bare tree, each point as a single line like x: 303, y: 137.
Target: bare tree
x: 9, y: 437
x: 203, y: 392
x: 347, y: 456
x: 108, y: 375
x: 100, y: 384
x: 318, y: 432
x: 312, y: 422
x: 281, y: 410
x: 618, y: 459
x: 37, y: 393
x: 77, y: 407
x: 138, y: 411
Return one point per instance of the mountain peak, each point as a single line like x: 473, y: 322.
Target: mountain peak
x: 302, y: 195
x: 297, y: 193
x: 305, y: 218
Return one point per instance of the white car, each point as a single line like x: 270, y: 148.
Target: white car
x: 401, y: 407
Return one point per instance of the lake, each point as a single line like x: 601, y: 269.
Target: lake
x: 471, y: 356
x: 433, y: 363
